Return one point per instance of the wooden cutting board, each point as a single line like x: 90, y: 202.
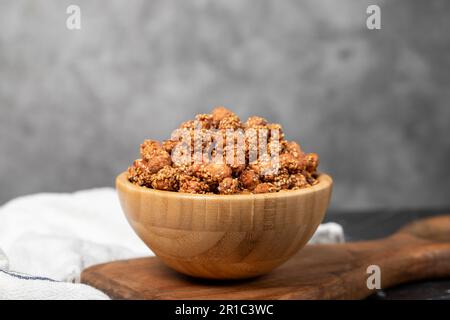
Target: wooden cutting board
x: 421, y: 250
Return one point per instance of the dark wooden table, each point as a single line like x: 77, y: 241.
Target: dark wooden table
x: 383, y: 222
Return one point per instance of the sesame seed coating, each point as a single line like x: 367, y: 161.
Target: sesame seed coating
x: 223, y: 155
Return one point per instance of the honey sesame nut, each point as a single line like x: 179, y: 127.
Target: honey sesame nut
x: 265, y: 188
x: 311, y: 162
x: 255, y: 121
x: 217, y: 153
x: 220, y: 113
x: 228, y: 186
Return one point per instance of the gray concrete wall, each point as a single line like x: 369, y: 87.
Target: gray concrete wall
x: 74, y: 105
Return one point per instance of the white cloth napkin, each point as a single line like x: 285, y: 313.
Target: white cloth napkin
x: 4, y: 264
x: 330, y: 232
x: 15, y: 286
x: 56, y: 236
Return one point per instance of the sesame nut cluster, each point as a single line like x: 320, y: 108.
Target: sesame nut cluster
x: 222, y: 155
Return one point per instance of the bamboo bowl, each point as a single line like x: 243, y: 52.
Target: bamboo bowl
x: 224, y: 236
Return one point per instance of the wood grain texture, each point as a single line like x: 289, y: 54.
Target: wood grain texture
x: 224, y: 236
x: 419, y: 251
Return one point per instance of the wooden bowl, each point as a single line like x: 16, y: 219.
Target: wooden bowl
x: 224, y: 236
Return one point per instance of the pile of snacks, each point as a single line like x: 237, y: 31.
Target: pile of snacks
x: 224, y: 156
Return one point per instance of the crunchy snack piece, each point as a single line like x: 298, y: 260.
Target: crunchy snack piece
x: 154, y: 154
x: 217, y: 153
x: 282, y: 181
x: 204, y: 121
x: 293, y: 148
x: 290, y: 162
x: 150, y: 148
x: 228, y: 186
x: 190, y: 125
x: 298, y: 181
x: 255, y: 122
x: 220, y: 113
x: 249, y: 179
x: 194, y: 186
x: 311, y: 162
x: 140, y: 173
x: 265, y: 188
x: 165, y: 179
x: 214, y: 172
x: 310, y: 177
x: 230, y: 122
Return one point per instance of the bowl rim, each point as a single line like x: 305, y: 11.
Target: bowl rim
x: 325, y: 182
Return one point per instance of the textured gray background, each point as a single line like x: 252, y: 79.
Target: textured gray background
x: 374, y: 104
